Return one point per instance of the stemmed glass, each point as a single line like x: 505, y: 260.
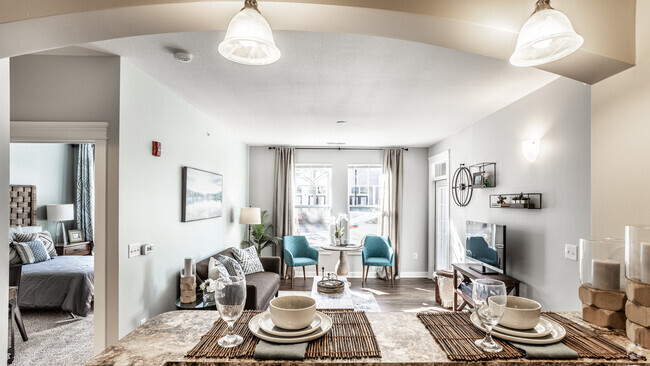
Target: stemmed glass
x: 489, y: 303
x: 230, y: 297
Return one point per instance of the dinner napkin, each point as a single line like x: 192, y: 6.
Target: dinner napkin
x: 274, y: 351
x: 555, y: 351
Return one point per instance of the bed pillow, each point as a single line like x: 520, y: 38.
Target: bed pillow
x: 248, y: 260
x: 25, y: 237
x: 232, y: 266
x: 47, y: 240
x: 31, y: 229
x: 14, y: 258
x: 32, y: 251
x: 216, y: 270
x: 13, y: 230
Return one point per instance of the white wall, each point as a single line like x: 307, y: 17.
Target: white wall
x: 620, y: 130
x: 414, y: 230
x: 4, y: 199
x: 150, y: 192
x: 559, y: 114
x: 50, y: 167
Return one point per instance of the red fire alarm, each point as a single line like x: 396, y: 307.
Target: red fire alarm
x: 156, y: 148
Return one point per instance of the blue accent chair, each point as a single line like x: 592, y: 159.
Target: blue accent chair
x: 298, y: 253
x: 377, y: 252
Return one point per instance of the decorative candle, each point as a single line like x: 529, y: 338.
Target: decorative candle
x: 606, y: 274
x: 645, y: 262
x: 189, y: 266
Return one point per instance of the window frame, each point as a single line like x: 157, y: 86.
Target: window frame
x: 349, y: 190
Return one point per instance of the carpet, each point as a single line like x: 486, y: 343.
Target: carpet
x: 362, y: 300
x: 54, y: 339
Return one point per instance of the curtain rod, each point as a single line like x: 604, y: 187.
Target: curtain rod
x: 343, y: 148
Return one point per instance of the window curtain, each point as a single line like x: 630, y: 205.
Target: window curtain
x: 283, y: 194
x: 391, y: 203
x: 85, y: 190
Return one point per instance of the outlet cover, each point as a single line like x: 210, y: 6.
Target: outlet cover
x: 134, y: 250
x: 571, y: 252
x: 415, y: 255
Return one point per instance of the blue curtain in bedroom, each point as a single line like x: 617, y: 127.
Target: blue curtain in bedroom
x: 85, y: 192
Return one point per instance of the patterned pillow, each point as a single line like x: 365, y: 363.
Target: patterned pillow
x: 232, y: 266
x: 32, y: 251
x: 216, y: 270
x: 248, y: 260
x: 47, y: 240
x: 25, y: 237
x: 14, y: 258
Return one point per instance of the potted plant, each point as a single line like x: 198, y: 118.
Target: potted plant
x: 339, y: 229
x: 208, y: 287
x: 261, y: 235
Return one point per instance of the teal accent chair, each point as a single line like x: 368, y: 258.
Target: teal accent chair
x: 377, y: 252
x: 298, y: 253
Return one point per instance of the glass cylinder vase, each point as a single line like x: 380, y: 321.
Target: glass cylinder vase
x: 602, y: 264
x: 637, y: 253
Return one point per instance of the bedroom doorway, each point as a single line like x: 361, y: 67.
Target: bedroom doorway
x: 93, y: 328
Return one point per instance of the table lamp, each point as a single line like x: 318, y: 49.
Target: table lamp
x: 61, y: 213
x: 250, y: 216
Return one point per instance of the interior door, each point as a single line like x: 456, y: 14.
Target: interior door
x: 442, y: 224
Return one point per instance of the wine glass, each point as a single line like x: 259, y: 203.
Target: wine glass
x: 489, y: 303
x: 230, y: 297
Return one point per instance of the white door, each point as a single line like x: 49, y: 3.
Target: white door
x: 442, y: 224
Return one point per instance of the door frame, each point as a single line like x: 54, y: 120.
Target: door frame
x: 437, y: 158
x: 83, y: 132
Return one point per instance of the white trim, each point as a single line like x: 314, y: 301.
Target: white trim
x: 58, y: 132
x: 442, y: 156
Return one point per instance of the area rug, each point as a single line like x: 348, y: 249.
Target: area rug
x: 362, y: 300
x: 54, y: 339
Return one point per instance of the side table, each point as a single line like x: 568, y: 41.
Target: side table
x: 80, y: 248
x: 199, y: 304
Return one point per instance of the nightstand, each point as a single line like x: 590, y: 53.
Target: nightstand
x: 80, y: 248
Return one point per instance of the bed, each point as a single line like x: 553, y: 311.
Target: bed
x: 63, y: 282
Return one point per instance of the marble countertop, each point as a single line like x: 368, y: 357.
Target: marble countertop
x: 402, y: 338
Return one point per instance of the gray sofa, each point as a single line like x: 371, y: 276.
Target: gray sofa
x: 261, y: 287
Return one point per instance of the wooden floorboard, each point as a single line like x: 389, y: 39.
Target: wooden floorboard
x: 409, y: 294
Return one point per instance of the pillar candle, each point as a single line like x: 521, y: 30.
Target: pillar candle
x: 645, y: 263
x: 606, y: 274
x: 187, y: 271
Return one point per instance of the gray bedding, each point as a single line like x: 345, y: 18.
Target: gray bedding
x: 64, y: 282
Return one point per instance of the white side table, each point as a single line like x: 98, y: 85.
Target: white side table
x: 342, y: 268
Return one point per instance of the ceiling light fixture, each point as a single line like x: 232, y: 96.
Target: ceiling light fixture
x: 341, y: 122
x: 249, y: 39
x: 182, y: 56
x: 547, y: 36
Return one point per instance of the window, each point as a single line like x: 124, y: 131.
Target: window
x: 313, y: 203
x: 364, y: 194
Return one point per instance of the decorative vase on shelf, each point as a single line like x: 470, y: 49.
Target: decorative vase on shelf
x: 637, y: 253
x: 602, y: 264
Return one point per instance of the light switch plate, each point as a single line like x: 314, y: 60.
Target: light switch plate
x: 134, y: 250
x: 571, y: 252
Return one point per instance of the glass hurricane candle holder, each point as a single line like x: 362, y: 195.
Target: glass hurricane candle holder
x: 637, y: 253
x: 602, y: 264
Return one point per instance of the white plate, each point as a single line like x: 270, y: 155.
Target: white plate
x: 544, y: 328
x: 254, y: 326
x: 267, y: 325
x: 557, y: 334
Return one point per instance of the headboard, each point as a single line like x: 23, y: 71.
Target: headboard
x: 22, y: 206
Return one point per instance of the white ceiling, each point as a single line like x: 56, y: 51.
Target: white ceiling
x: 391, y: 92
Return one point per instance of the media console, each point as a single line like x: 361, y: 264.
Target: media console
x: 464, y: 290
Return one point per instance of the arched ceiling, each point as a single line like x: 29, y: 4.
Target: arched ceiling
x: 487, y: 28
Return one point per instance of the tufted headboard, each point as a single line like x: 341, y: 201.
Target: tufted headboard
x: 22, y: 206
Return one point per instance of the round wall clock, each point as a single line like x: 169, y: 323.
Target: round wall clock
x: 462, y: 186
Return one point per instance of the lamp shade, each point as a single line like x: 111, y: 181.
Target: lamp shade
x: 530, y: 149
x: 60, y: 212
x: 547, y: 36
x: 250, y: 216
x: 249, y: 39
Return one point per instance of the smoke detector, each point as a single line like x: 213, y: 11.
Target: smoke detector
x: 183, y: 56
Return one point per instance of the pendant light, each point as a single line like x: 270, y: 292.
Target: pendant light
x: 546, y: 37
x: 249, y: 39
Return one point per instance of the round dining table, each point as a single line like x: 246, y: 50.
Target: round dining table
x: 342, y: 268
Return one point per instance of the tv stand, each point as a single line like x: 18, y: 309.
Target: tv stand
x: 470, y: 273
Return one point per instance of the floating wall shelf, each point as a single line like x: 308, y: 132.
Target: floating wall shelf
x: 484, y: 175
x: 530, y: 201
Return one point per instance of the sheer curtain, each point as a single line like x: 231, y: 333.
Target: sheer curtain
x: 391, y: 203
x: 85, y: 190
x: 283, y: 194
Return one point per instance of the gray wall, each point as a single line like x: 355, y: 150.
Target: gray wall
x: 559, y: 114
x: 50, y: 167
x: 4, y: 187
x: 414, y: 230
x: 150, y: 192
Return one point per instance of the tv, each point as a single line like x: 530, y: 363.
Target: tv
x: 485, y: 247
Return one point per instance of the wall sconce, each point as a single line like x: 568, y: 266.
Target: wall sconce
x: 530, y: 149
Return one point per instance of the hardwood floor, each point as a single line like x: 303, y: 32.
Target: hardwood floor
x: 409, y: 294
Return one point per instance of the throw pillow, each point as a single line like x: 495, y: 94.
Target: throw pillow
x: 14, y: 258
x: 13, y: 230
x: 32, y: 251
x: 248, y: 260
x: 216, y: 270
x: 25, y: 237
x: 47, y: 240
x: 232, y: 266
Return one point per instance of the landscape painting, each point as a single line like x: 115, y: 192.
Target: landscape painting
x: 202, y: 194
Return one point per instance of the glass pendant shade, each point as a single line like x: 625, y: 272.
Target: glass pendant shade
x: 249, y: 39
x: 546, y: 37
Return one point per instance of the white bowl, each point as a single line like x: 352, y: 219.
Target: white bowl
x: 521, y: 313
x: 292, y: 312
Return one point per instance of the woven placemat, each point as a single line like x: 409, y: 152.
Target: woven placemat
x: 350, y: 337
x: 456, y: 335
